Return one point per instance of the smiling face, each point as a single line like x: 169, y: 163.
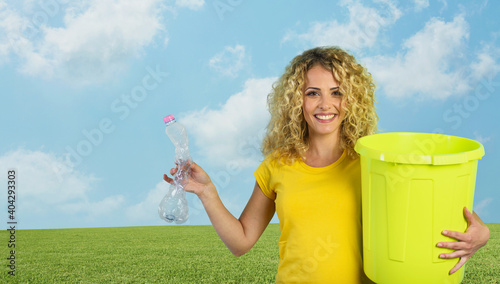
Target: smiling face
x: 322, y: 102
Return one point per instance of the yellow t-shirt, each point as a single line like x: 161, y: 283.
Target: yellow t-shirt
x: 320, y: 219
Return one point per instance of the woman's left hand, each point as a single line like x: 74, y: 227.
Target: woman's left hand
x: 476, y: 236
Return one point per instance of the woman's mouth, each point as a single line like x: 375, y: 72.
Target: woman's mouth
x: 325, y: 118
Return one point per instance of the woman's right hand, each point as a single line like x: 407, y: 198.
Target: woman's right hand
x: 239, y: 235
x: 198, y: 181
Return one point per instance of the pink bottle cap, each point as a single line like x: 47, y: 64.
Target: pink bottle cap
x: 168, y: 118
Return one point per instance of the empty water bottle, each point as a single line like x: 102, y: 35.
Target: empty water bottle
x: 174, y: 207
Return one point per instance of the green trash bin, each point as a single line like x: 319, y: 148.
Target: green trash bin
x: 414, y: 186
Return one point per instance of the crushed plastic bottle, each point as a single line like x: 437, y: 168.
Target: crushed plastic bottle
x: 174, y: 207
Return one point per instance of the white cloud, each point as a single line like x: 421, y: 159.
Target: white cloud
x: 486, y: 65
x: 95, y: 42
x: 362, y: 30
x: 190, y: 4
x: 232, y: 134
x: 147, y: 210
x: 47, y: 186
x: 11, y: 39
x: 230, y: 61
x: 42, y: 178
x: 432, y: 63
x: 427, y: 66
x: 105, y: 207
x: 421, y: 4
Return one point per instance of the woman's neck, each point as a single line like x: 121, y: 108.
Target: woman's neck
x: 323, y: 150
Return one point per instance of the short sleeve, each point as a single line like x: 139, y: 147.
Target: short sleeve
x: 263, y: 176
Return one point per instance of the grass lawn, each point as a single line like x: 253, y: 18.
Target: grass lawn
x: 167, y: 254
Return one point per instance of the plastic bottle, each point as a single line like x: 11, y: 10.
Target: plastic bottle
x: 174, y: 207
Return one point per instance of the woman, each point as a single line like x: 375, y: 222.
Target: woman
x: 310, y: 176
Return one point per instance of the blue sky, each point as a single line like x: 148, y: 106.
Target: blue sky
x: 85, y: 85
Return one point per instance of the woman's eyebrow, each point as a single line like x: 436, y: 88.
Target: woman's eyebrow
x: 315, y: 88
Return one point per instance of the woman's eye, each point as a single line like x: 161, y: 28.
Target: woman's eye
x: 337, y: 93
x: 312, y: 94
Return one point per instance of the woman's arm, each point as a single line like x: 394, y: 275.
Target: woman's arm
x: 475, y: 237
x: 239, y: 235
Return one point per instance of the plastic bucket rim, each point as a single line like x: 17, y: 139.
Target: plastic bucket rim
x: 414, y: 158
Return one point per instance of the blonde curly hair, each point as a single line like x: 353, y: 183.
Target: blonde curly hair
x: 287, y: 131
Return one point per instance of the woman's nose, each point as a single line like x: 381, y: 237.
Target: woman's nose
x: 326, y: 103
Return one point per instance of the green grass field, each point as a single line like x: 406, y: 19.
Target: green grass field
x: 167, y: 254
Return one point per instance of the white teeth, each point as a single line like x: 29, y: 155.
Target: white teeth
x: 325, y: 117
